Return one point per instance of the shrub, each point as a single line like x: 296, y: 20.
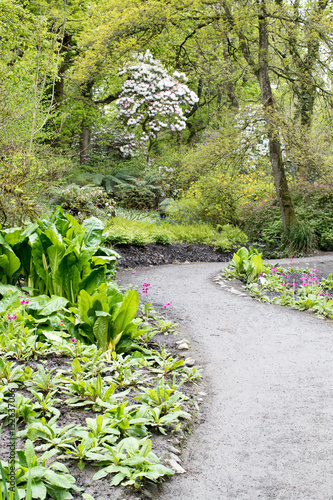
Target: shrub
x: 216, y: 198
x: 142, y: 193
x: 23, y: 179
x: 86, y: 201
x: 261, y: 220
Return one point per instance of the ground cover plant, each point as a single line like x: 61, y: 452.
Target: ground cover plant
x: 94, y: 385
x: 139, y: 232
x: 300, y: 288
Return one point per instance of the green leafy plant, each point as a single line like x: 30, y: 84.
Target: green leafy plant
x: 163, y: 396
x: 161, y: 422
x: 44, y: 380
x: 52, y: 480
x: 300, y: 238
x: 87, y: 201
x: 10, y: 372
x: 50, y: 434
x: 132, y: 461
x: 60, y: 257
x: 248, y: 264
x: 45, y: 404
x: 93, y: 392
x: 87, y: 449
x: 129, y: 420
x: 107, y: 317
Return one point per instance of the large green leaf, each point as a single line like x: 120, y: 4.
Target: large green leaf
x: 53, y: 235
x: 55, y: 254
x: 84, y: 304
x: 38, y: 490
x: 7, y: 301
x: 126, y: 313
x: 100, y: 330
x: 4, y: 261
x: 12, y: 235
x: 94, y: 230
x: 54, y: 304
x: 7, y: 289
x: 13, y: 262
x: 95, y: 278
x: 37, y: 253
x: 29, y: 452
x: 58, y: 480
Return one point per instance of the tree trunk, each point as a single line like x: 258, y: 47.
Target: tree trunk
x: 229, y: 82
x: 86, y: 92
x: 84, y: 143
x: 281, y: 185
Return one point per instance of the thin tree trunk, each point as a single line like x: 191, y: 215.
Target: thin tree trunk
x: 229, y: 83
x: 84, y: 143
x: 281, y: 185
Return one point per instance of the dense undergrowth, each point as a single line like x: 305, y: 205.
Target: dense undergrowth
x: 71, y: 339
x: 262, y: 223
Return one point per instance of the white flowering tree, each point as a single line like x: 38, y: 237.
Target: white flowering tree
x: 152, y: 100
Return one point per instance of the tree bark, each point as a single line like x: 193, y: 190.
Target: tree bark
x: 229, y: 82
x: 281, y: 185
x: 86, y: 92
x: 84, y: 143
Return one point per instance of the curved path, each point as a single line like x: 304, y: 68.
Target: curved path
x: 268, y: 429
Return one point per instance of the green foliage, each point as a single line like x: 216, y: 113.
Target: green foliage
x: 53, y: 480
x: 131, y: 461
x: 300, y: 238
x: 87, y: 201
x: 22, y: 178
x: 314, y: 208
x: 142, y: 193
x: 58, y: 256
x: 140, y: 232
x: 247, y: 264
x: 107, y: 317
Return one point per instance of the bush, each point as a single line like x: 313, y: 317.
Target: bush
x: 85, y: 202
x: 140, y: 194
x: 261, y: 220
x: 216, y: 198
x: 23, y: 180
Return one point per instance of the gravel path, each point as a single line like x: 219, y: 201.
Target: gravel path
x: 268, y: 429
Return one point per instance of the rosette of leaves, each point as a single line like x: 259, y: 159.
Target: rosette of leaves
x: 107, y: 317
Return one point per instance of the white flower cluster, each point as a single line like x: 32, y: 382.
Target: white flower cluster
x: 254, y: 138
x: 154, y: 98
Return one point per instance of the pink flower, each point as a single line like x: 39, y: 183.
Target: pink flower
x: 9, y: 317
x: 14, y: 316
x: 73, y: 340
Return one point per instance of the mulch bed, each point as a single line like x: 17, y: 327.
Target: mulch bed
x: 157, y: 255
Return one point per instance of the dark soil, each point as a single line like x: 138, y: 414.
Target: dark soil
x: 157, y: 255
